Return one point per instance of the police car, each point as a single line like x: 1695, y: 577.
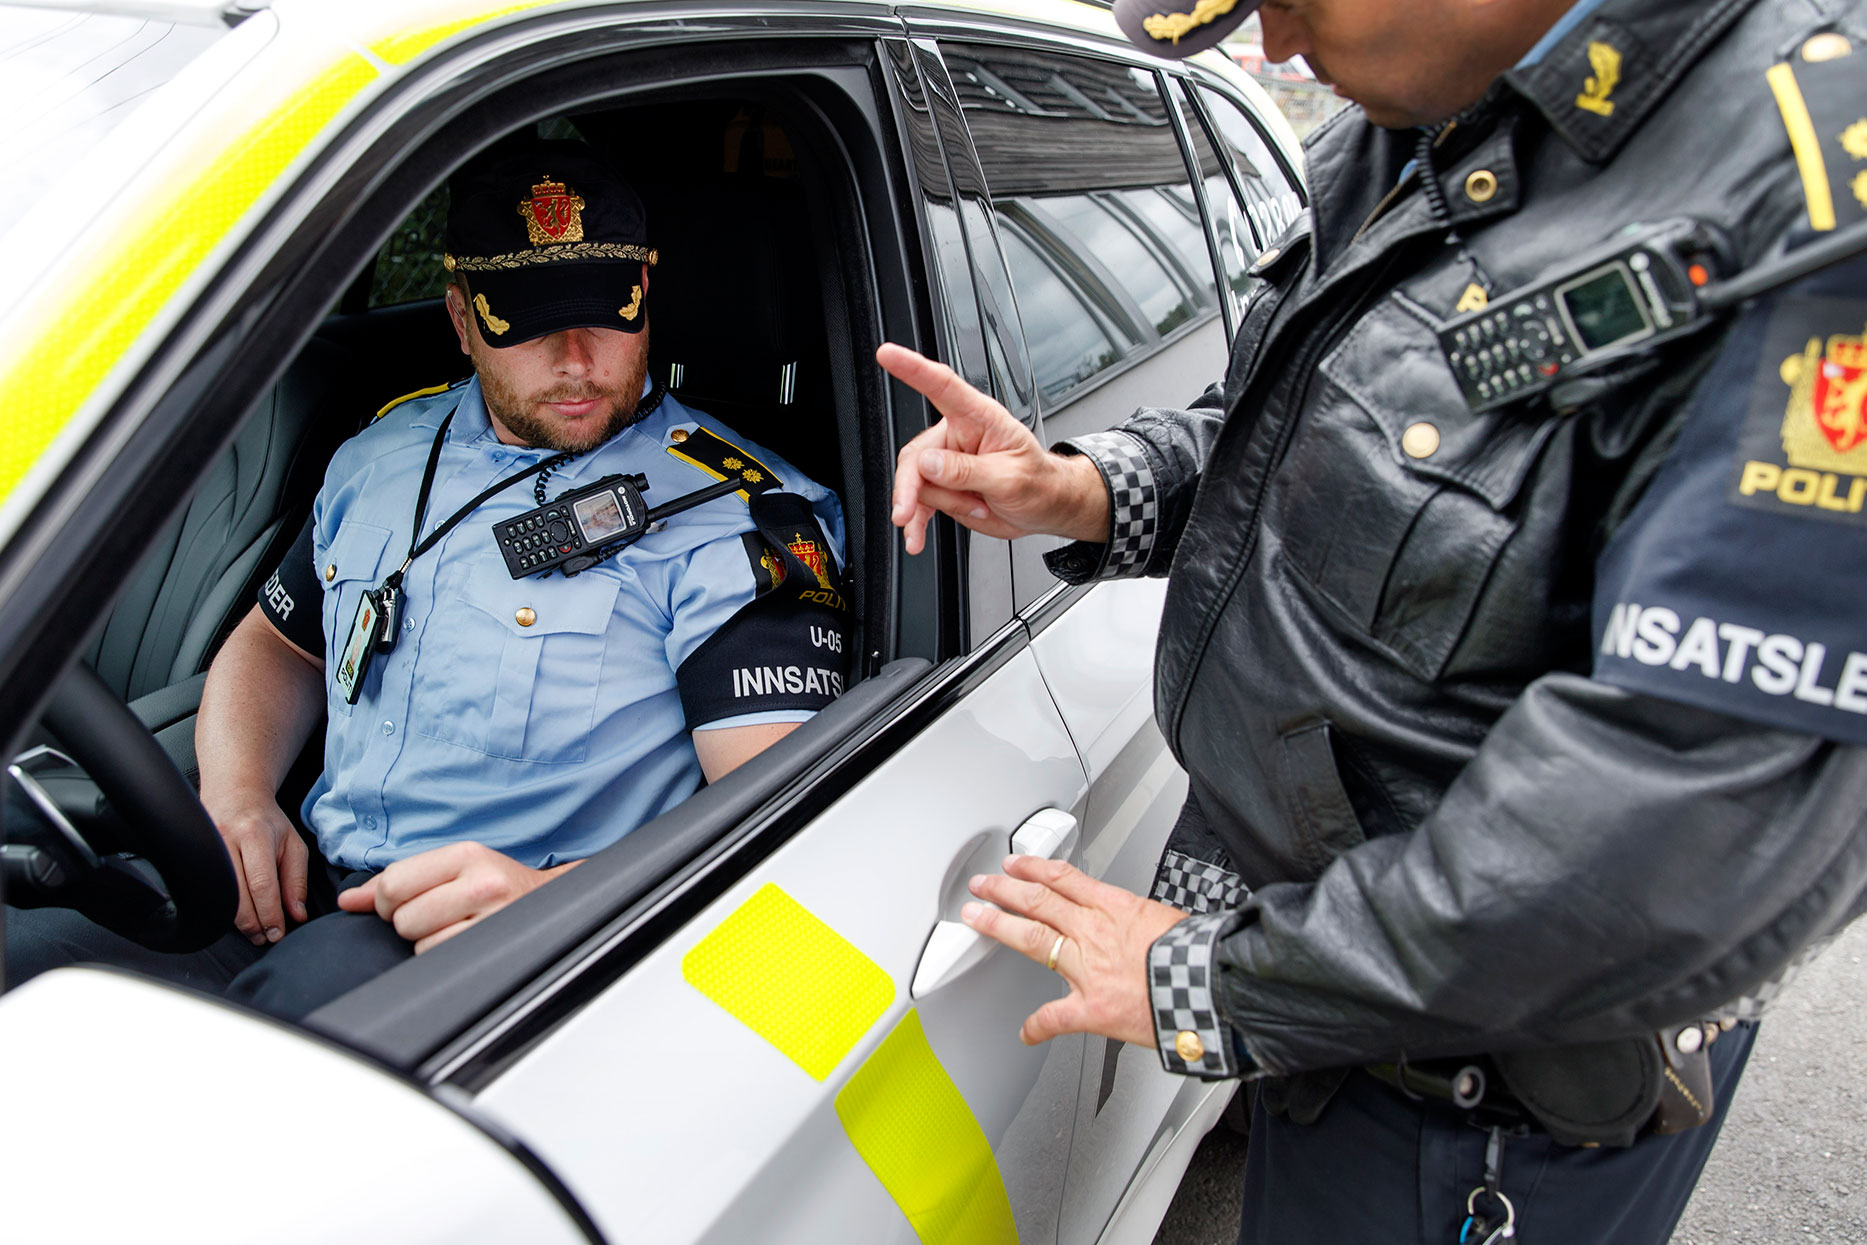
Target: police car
x: 757, y: 1018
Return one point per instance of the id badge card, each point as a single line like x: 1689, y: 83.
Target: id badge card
x: 353, y: 662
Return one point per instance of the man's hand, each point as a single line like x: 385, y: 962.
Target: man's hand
x: 1106, y: 933
x: 269, y: 863
x: 984, y: 468
x: 431, y: 897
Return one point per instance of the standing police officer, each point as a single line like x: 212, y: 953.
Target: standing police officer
x: 1528, y: 731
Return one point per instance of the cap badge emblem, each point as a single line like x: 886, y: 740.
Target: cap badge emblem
x: 1605, y: 60
x: 493, y: 322
x: 1170, y: 27
x: 552, y: 214
x: 634, y: 307
x: 1827, y: 416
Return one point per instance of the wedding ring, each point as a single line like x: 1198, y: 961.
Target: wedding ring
x: 1055, y: 947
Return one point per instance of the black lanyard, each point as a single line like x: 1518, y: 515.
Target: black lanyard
x: 418, y: 546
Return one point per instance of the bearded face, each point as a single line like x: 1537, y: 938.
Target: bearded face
x: 568, y: 391
x: 567, y: 395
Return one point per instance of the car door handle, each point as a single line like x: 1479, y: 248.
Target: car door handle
x: 954, y: 947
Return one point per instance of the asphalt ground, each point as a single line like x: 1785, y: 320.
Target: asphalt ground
x: 1791, y: 1166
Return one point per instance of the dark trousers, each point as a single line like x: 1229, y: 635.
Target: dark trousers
x: 314, y: 963
x: 1380, y: 1168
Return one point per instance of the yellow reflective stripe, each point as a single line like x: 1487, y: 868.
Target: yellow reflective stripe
x: 1803, y: 141
x: 136, y: 272
x: 392, y: 403
x: 791, y: 979
x: 403, y: 48
x: 910, y: 1124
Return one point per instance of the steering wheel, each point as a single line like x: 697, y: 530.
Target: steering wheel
x: 172, y: 831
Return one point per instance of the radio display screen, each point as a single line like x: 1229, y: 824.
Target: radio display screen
x: 1604, y: 309
x: 599, y: 516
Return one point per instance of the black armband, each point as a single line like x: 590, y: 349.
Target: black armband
x: 788, y: 648
x: 291, y: 599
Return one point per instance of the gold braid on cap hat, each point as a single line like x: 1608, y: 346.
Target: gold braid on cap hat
x: 1170, y: 26
x: 552, y: 255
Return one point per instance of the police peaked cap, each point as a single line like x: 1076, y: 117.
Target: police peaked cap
x: 548, y: 236
x: 1180, y: 28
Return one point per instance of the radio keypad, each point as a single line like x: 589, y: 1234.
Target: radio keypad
x: 1509, y: 349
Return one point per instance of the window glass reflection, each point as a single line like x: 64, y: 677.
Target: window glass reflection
x: 1102, y: 232
x: 1136, y: 268
x: 1271, y: 200
x: 1067, y: 345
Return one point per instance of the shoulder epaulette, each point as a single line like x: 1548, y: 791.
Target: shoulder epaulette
x: 722, y: 460
x: 430, y: 391
x: 1820, y: 92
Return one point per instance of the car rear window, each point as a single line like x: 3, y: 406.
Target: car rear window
x: 67, y: 80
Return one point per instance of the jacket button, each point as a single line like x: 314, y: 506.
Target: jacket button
x: 330, y: 572
x: 1420, y: 440
x: 1189, y: 1047
x: 1826, y: 47
x: 1269, y: 257
x: 1481, y: 186
x: 678, y: 435
x: 1689, y: 1040
x: 526, y: 616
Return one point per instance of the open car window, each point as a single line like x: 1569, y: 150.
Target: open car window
x: 774, y: 194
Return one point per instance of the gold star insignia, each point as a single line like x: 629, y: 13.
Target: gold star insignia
x: 731, y: 464
x: 752, y: 477
x: 1854, y: 139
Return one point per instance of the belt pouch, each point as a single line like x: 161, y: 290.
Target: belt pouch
x: 1600, y: 1093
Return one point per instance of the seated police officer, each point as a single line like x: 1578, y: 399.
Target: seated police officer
x: 488, y: 727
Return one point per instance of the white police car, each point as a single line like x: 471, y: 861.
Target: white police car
x: 756, y: 1018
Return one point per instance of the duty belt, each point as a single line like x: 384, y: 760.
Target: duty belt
x: 1604, y: 1093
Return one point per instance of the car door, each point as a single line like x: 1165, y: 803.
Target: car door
x: 1105, y: 231
x: 822, y: 1050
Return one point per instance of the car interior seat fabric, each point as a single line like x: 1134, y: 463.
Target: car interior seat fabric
x: 210, y: 559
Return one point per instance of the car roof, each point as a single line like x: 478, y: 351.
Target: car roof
x: 96, y: 274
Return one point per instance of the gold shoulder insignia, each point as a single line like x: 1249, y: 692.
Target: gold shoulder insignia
x: 392, y: 403
x: 1172, y: 27
x: 723, y: 460
x: 1819, y: 94
x: 1473, y: 298
x: 1605, y: 60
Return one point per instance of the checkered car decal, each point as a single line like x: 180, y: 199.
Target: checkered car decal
x: 1134, y: 513
x: 1195, y: 886
x: 1179, y: 969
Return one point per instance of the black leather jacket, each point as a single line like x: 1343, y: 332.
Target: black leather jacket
x: 1375, y: 663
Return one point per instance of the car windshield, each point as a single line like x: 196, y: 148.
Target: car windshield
x: 67, y: 79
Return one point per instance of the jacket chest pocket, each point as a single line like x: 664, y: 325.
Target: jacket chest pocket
x: 351, y: 566
x: 512, y: 668
x: 1396, y: 500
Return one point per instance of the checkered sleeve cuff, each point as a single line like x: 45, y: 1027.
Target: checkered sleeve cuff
x: 1193, y: 1039
x: 1195, y: 885
x: 1134, y: 511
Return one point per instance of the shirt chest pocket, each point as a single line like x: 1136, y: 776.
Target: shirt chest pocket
x: 1397, y: 501
x: 512, y: 668
x: 352, y: 564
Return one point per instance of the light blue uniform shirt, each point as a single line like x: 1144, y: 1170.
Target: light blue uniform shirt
x: 547, y: 741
